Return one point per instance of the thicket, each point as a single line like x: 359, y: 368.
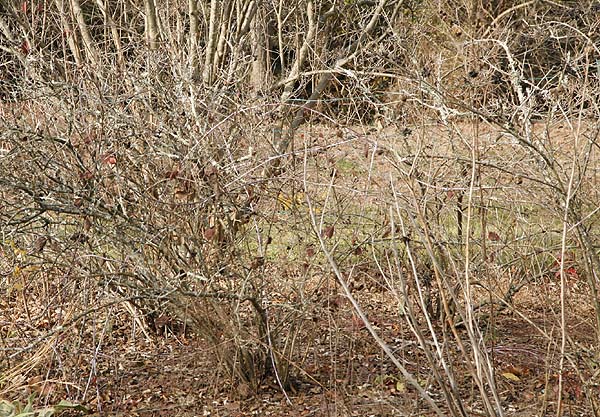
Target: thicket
x: 149, y: 148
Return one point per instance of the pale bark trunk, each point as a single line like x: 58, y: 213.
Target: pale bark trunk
x: 69, y: 33
x: 114, y: 32
x: 194, y: 36
x: 302, y: 54
x: 259, y: 75
x: 207, y: 74
x: 278, y: 13
x: 88, y: 43
x: 152, y: 31
x: 225, y: 19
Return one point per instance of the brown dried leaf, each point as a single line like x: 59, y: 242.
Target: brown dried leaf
x: 328, y: 232
x: 171, y: 175
x: 210, y: 233
x: 78, y: 237
x: 39, y: 244
x: 257, y: 262
x: 210, y: 170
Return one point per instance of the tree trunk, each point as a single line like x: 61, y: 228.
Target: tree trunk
x: 194, y: 35
x: 207, y: 73
x: 283, y: 137
x: 88, y: 42
x: 152, y: 31
x: 114, y: 32
x: 259, y: 75
x: 223, y: 35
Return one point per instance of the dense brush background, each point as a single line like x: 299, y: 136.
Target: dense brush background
x: 348, y: 207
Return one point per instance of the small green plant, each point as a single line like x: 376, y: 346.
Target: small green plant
x: 16, y: 409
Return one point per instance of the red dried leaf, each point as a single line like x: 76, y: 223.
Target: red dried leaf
x: 109, y: 160
x: 89, y: 138
x: 572, y: 272
x: 493, y: 236
x: 25, y: 47
x: 86, y: 176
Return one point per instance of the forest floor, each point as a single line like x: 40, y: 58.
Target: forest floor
x: 348, y: 375
x: 115, y: 368
x: 171, y: 376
